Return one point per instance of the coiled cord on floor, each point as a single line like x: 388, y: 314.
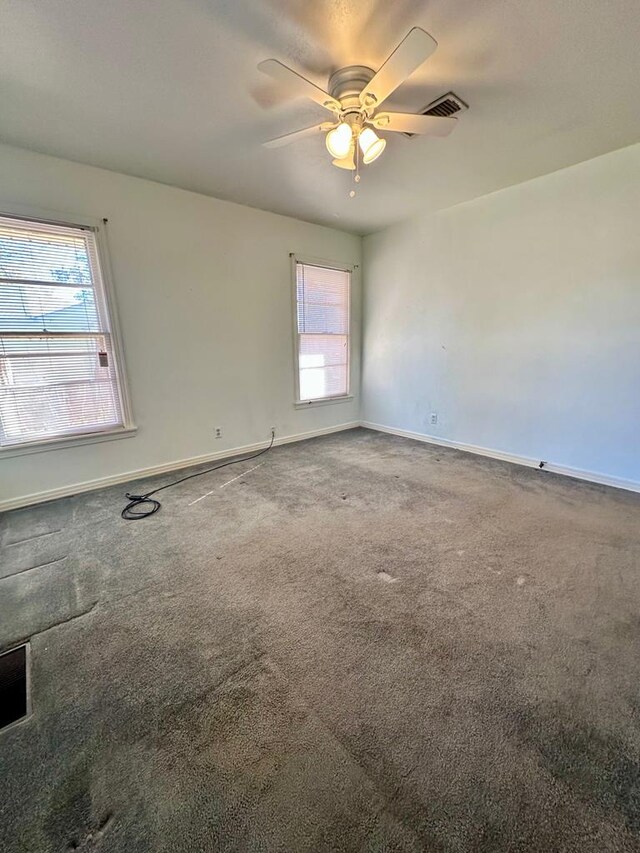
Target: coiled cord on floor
x: 133, y: 510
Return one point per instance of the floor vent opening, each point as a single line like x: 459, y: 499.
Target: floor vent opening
x: 14, y: 692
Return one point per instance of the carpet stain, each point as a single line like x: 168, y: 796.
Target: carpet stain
x: 69, y: 810
x: 596, y: 764
x: 92, y: 839
x: 386, y: 578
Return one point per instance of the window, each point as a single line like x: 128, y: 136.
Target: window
x: 59, y: 375
x: 322, y: 332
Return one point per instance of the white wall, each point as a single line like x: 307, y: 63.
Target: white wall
x: 516, y: 318
x: 204, y: 297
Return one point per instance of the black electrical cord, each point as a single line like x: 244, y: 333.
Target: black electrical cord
x: 132, y: 511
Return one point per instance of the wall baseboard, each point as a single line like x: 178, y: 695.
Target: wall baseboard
x: 565, y: 470
x: 144, y: 473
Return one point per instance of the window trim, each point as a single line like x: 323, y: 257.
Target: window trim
x: 98, y: 228
x: 331, y: 265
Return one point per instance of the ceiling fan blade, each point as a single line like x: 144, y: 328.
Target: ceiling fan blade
x: 409, y: 123
x: 286, y: 138
x: 347, y: 162
x: 299, y: 84
x: 414, y: 49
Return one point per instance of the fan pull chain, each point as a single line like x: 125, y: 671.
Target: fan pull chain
x: 356, y: 177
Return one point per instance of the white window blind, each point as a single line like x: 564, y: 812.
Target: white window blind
x: 322, y: 299
x: 58, y: 374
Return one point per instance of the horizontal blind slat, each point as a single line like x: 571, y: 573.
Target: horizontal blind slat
x: 26, y: 307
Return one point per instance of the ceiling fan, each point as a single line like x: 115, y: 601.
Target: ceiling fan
x: 355, y: 96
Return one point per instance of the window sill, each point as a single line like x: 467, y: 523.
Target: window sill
x: 307, y: 404
x: 66, y: 441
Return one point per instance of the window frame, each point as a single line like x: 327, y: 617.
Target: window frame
x: 331, y: 265
x: 108, y: 300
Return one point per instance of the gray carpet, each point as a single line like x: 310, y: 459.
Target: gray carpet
x: 365, y: 644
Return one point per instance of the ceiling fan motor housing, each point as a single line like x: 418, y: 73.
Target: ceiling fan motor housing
x: 345, y: 86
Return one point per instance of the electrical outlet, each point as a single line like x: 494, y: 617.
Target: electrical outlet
x: 273, y: 430
x: 218, y: 432
x: 434, y: 418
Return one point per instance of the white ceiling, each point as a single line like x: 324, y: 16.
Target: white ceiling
x: 168, y: 90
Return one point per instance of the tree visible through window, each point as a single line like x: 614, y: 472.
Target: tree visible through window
x: 323, y: 339
x: 58, y: 370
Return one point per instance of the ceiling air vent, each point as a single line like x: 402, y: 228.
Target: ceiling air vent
x: 446, y: 105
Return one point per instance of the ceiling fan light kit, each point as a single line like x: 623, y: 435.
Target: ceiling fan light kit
x: 371, y: 145
x: 339, y: 140
x: 348, y: 162
x: 355, y: 96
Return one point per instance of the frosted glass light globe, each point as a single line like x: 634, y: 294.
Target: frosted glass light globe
x: 339, y: 140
